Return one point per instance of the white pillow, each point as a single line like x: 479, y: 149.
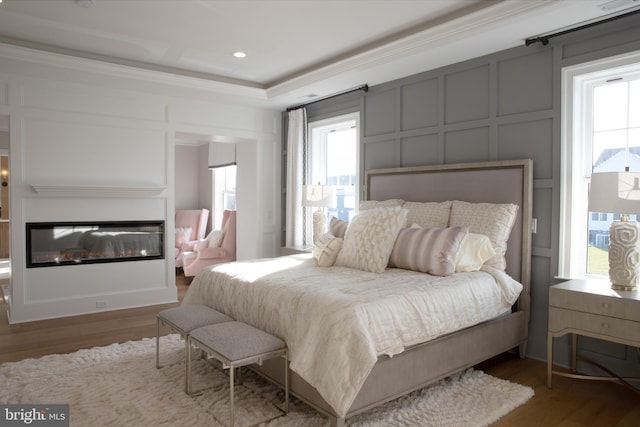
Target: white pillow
x: 474, y: 251
x: 373, y: 204
x: 214, y: 238
x: 370, y: 237
x: 428, y: 214
x: 326, y: 249
x: 183, y: 234
x: 493, y: 220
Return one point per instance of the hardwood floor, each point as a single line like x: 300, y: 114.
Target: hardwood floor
x: 570, y: 403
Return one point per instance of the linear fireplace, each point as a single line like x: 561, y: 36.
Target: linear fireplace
x: 71, y: 243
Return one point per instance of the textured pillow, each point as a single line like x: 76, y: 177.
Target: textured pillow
x: 372, y: 204
x: 428, y: 214
x: 338, y: 227
x: 429, y: 250
x: 493, y: 220
x: 326, y: 249
x: 474, y: 251
x: 182, y: 235
x: 369, y: 239
x: 214, y: 238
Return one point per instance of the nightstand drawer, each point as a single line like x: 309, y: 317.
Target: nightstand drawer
x: 606, y: 305
x: 560, y: 319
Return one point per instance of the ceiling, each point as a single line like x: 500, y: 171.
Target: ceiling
x: 296, y: 49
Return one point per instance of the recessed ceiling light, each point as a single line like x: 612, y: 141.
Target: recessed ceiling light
x: 239, y: 54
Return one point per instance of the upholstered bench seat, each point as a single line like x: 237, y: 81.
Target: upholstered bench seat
x: 237, y: 344
x: 183, y: 320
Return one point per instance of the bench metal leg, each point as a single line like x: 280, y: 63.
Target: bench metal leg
x: 188, y: 385
x: 158, y: 343
x: 231, y: 409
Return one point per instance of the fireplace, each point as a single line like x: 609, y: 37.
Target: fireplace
x: 72, y: 243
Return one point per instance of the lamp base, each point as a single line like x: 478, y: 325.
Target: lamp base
x: 624, y: 255
x: 318, y: 224
x: 623, y: 288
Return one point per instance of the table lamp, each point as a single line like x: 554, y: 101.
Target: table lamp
x: 619, y: 192
x: 318, y: 196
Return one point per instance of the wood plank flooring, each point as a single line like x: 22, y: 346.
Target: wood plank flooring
x: 570, y: 403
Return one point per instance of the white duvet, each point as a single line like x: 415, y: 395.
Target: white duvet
x: 336, y: 321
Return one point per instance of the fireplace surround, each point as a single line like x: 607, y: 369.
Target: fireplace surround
x: 51, y: 244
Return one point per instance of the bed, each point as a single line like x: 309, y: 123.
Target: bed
x: 360, y: 338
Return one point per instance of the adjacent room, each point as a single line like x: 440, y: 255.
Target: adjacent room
x: 320, y: 213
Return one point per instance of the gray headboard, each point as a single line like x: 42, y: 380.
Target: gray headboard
x: 508, y: 181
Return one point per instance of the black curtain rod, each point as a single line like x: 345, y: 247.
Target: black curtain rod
x: 364, y: 88
x: 545, y: 39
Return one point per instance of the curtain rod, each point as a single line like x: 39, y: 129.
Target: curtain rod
x: 364, y: 88
x: 545, y: 39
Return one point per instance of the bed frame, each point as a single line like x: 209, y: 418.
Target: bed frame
x: 493, y: 182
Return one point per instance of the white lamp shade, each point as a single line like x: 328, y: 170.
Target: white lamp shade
x: 318, y: 196
x: 615, y: 192
x: 221, y: 154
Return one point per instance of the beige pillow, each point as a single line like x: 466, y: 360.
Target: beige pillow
x: 372, y: 204
x: 370, y: 237
x: 326, y: 249
x: 338, y: 227
x: 428, y: 214
x: 214, y: 238
x: 428, y: 250
x: 474, y: 251
x: 493, y: 220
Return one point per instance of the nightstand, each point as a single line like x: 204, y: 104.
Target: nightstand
x: 591, y: 308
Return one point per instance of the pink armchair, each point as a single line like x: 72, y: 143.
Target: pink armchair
x: 203, y: 255
x: 196, y: 220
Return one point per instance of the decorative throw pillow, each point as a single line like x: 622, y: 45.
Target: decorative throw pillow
x: 326, y: 249
x: 428, y: 214
x: 369, y: 239
x: 372, y: 204
x: 474, y: 251
x: 429, y: 250
x: 338, y: 227
x: 493, y: 220
x: 214, y: 238
x: 183, y: 234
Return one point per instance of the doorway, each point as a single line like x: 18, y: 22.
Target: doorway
x: 5, y: 263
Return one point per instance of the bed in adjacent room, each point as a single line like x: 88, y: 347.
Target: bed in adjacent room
x: 431, y: 277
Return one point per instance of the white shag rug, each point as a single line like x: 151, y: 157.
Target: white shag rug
x: 118, y: 385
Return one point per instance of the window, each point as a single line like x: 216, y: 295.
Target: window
x: 334, y: 161
x: 601, y: 133
x: 224, y: 196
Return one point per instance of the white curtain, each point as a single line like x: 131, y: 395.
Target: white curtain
x: 296, y: 170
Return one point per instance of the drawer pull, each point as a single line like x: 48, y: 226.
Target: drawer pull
x: 605, y: 305
x: 605, y: 326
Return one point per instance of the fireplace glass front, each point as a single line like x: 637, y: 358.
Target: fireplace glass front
x: 70, y: 243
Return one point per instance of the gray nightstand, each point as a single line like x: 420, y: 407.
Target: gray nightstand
x: 591, y: 308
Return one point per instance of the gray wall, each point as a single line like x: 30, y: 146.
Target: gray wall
x: 497, y: 107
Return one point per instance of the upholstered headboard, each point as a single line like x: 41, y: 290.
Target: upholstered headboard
x: 508, y: 181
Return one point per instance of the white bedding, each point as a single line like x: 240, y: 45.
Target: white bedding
x: 336, y: 321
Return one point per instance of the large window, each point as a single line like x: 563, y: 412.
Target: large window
x: 601, y: 106
x: 334, y: 161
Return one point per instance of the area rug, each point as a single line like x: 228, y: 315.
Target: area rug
x: 118, y: 385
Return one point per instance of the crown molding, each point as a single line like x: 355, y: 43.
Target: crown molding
x: 125, y: 71
x: 441, y: 34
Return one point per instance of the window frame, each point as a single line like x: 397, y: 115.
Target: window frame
x: 317, y: 155
x: 576, y: 150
